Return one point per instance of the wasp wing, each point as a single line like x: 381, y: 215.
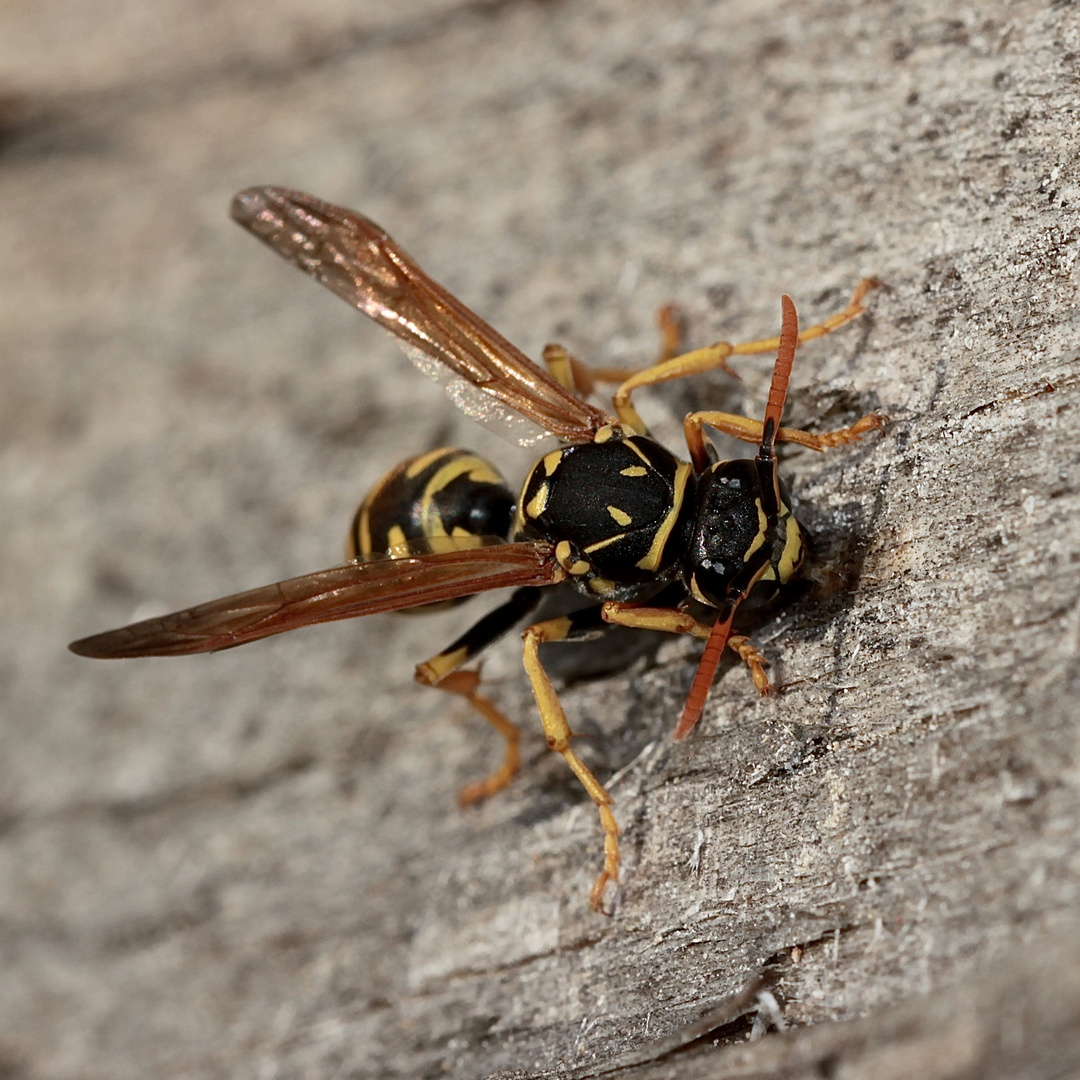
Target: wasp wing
x: 485, y: 376
x: 343, y: 592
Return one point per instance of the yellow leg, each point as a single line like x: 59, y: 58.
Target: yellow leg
x: 716, y: 356
x: 558, y: 736
x: 680, y: 622
x: 571, y: 374
x: 742, y: 427
x: 754, y: 661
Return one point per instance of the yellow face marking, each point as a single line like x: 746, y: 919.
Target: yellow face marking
x: 580, y: 567
x: 399, y: 546
x: 438, y: 667
x: 651, y: 559
x: 538, y: 503
x: 415, y: 467
x: 601, y: 586
x: 551, y: 461
x: 696, y: 592
x: 604, y: 434
x: 634, y: 470
x: 762, y: 529
x: 621, y: 517
x: 604, y: 543
x: 792, y: 556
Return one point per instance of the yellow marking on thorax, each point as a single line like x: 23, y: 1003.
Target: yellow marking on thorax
x: 621, y: 517
x: 640, y: 453
x: 563, y: 551
x: 651, y: 559
x: 604, y: 434
x: 763, y: 528
x: 634, y: 470
x: 538, y: 503
x: 551, y: 461
x: 601, y: 586
x: 604, y: 543
x: 580, y: 567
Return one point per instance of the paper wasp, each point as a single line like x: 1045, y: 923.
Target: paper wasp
x: 655, y: 542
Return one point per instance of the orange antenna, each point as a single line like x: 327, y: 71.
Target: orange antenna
x: 721, y: 631
x: 785, y: 356
x: 695, y: 702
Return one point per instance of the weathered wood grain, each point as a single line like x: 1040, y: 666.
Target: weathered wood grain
x: 252, y: 864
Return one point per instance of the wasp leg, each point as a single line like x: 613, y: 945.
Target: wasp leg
x: 571, y: 374
x: 671, y: 323
x: 757, y: 663
x: 716, y: 356
x: 466, y: 684
x: 558, y: 732
x: 680, y: 622
x: 742, y: 427
x: 442, y: 672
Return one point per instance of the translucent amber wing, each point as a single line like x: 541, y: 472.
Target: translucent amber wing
x: 342, y: 592
x: 485, y: 376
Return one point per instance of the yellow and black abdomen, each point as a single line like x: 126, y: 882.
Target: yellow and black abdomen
x: 447, y: 493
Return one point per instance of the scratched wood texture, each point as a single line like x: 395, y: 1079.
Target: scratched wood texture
x: 252, y: 865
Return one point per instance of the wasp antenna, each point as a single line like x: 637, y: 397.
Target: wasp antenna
x: 785, y: 356
x: 710, y: 658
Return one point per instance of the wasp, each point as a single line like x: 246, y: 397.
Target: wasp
x: 651, y: 540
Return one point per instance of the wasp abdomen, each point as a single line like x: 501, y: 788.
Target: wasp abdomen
x: 444, y: 493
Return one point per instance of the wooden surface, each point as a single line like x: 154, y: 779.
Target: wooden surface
x: 252, y: 864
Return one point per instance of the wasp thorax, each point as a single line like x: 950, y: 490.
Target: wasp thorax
x: 617, y: 510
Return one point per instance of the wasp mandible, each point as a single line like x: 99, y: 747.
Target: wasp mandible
x: 654, y: 541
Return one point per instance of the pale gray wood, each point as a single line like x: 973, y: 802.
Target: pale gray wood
x: 252, y: 864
